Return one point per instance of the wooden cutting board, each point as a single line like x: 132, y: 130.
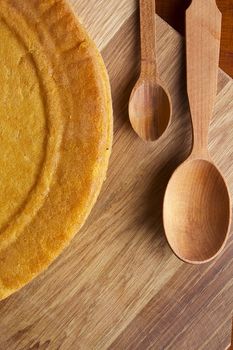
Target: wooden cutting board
x: 118, y: 285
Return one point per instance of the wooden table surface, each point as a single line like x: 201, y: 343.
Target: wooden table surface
x: 173, y: 11
x: 118, y: 285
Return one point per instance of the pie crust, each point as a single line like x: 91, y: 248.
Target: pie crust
x: 55, y: 134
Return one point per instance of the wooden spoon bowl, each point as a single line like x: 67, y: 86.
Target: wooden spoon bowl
x: 197, y: 211
x: 149, y: 109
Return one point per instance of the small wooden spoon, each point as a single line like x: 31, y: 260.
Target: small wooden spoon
x: 197, y: 206
x: 150, y: 103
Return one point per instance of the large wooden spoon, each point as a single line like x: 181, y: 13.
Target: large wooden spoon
x: 150, y: 103
x: 197, y: 210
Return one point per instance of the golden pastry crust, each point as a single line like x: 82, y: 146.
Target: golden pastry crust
x: 58, y: 134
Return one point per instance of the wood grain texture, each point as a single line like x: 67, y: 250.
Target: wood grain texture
x: 173, y: 11
x: 118, y: 285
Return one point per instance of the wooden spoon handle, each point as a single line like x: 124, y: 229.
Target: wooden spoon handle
x: 203, y: 34
x: 148, y: 37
